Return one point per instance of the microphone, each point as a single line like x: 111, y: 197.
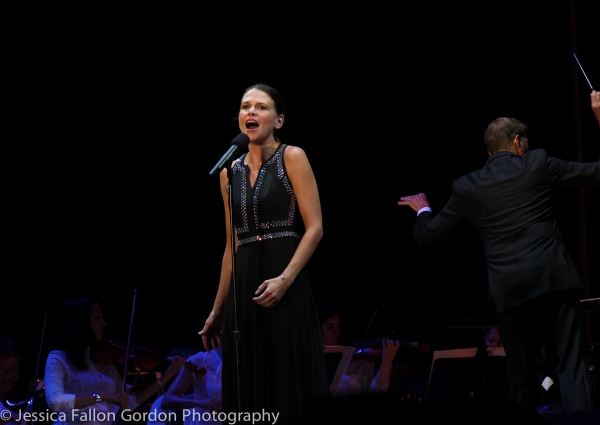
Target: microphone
x: 239, y: 144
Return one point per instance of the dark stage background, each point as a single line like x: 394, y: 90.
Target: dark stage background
x: 116, y: 115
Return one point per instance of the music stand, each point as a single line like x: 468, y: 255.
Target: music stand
x: 590, y: 304
x: 495, y: 383
x: 451, y: 375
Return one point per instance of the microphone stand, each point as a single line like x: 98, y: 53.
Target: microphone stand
x: 237, y: 334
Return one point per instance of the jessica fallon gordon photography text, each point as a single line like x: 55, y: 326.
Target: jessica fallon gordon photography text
x: 93, y: 415
x: 128, y: 415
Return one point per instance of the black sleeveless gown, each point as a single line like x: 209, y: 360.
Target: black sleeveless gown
x: 280, y: 354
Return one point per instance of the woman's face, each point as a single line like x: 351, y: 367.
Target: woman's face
x: 96, y: 321
x: 493, y: 338
x: 332, y: 331
x: 257, y: 116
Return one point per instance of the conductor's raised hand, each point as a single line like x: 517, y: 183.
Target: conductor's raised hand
x: 595, y: 98
x: 416, y: 202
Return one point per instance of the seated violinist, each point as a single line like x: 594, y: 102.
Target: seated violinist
x: 157, y: 415
x: 204, y: 383
x: 364, y: 374
x: 79, y: 389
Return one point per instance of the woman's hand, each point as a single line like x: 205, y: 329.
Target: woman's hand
x: 120, y: 399
x: 177, y: 363
x: 213, y: 404
x: 390, y: 348
x: 272, y: 290
x: 211, y: 332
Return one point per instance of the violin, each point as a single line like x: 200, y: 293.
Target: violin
x: 23, y: 400
x: 115, y: 353
x: 373, y: 349
x: 17, y: 399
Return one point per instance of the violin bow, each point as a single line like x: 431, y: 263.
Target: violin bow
x: 135, y: 291
x: 124, y: 385
x: 37, y: 365
x: 369, y: 325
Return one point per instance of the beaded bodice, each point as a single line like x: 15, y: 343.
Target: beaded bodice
x: 269, y: 209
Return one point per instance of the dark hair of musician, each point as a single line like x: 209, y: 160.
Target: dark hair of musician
x: 73, y: 333
x: 326, y: 310
x: 9, y: 348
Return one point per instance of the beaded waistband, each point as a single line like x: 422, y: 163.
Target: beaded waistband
x: 268, y: 236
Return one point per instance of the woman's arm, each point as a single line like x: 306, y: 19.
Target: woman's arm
x: 213, y: 324
x: 56, y: 371
x: 145, y: 393
x: 382, y: 378
x: 304, y: 184
x: 175, y: 397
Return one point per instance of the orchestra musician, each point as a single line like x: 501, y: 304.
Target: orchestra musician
x: 201, y: 396
x: 83, y: 384
x: 13, y: 393
x: 368, y: 371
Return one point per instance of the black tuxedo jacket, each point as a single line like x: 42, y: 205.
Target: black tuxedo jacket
x: 511, y: 202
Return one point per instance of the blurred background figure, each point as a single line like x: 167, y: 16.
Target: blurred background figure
x: 198, y: 391
x: 493, y: 343
x: 369, y: 371
x: 81, y: 376
x: 157, y: 414
x: 14, y: 393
